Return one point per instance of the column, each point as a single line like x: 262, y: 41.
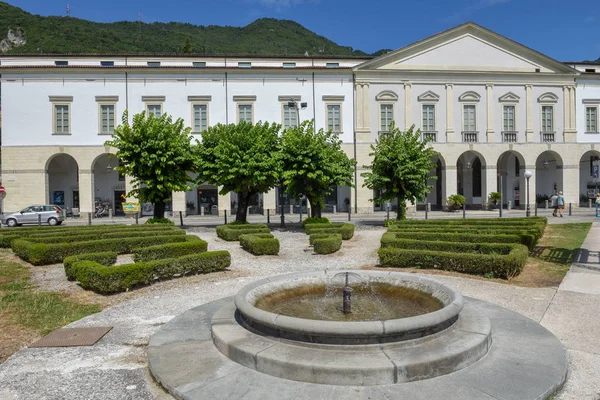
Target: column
x: 363, y: 129
x: 365, y: 107
x: 570, y: 185
x: 270, y: 201
x: 451, y: 182
x: 178, y: 202
x: 491, y: 182
x: 490, y: 112
x: 572, y: 136
x: 407, y: 106
x: 364, y: 205
x: 566, y: 109
x: 449, y: 113
x: 529, y: 107
x: 86, y: 193
x: 359, y: 109
x: 224, y: 203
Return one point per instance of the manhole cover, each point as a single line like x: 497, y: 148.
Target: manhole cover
x: 70, y: 337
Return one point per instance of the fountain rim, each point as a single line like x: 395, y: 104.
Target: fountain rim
x: 403, y: 328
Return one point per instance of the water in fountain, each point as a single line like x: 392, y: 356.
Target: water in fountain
x: 371, y: 301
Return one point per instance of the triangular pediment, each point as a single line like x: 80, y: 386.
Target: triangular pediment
x: 509, y: 97
x: 429, y: 96
x: 466, y: 48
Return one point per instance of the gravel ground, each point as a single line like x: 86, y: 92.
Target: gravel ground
x: 116, y: 368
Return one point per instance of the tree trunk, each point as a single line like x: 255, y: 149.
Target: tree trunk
x: 315, y: 211
x: 401, y: 214
x: 242, y: 211
x: 159, y: 210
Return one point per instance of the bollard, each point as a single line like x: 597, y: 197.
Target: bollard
x: 546, y: 204
x: 500, y: 209
x: 110, y: 213
x: 291, y: 208
x: 202, y: 211
x: 180, y: 218
x: 349, y: 213
x: 427, y: 211
x: 569, y: 209
x: 464, y: 211
x: 137, y: 219
x: 268, y: 216
x: 89, y: 218
x: 387, y: 209
x: 509, y: 206
x: 589, y: 203
x: 225, y: 214
x: 39, y: 219
x: 535, y: 209
x: 334, y: 210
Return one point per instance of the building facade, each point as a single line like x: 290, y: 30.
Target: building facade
x: 492, y: 108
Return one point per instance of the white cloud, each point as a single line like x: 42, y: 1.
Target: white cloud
x: 473, y: 6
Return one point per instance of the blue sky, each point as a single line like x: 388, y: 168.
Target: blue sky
x: 567, y: 33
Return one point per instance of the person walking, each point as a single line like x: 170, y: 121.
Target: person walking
x: 554, y: 204
x: 597, y: 205
x: 560, y: 201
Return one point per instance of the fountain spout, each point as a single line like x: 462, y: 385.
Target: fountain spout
x: 347, y: 293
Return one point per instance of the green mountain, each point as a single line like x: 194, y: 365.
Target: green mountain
x: 22, y: 32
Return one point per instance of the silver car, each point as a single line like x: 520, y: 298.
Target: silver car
x: 47, y: 214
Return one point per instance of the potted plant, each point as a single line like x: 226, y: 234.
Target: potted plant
x: 455, y: 202
x: 495, y: 197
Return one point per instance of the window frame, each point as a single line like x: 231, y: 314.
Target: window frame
x: 154, y: 104
x: 55, y: 118
x: 106, y: 104
x: 464, y: 106
x: 193, y: 110
x: 327, y: 105
x: 597, y: 118
x: 429, y: 104
x: 284, y: 104
x: 514, y: 106
x: 383, y: 104
x: 553, y: 127
x: 244, y: 104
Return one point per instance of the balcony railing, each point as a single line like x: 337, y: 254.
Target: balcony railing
x: 548, y: 137
x: 432, y: 136
x: 470, y: 137
x: 509, y: 137
x: 381, y: 133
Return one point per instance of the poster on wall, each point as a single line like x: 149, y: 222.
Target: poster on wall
x: 147, y: 209
x: 516, y: 195
x: 58, y: 198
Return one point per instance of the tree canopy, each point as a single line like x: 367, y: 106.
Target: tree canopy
x: 241, y: 158
x: 157, y: 154
x: 401, y: 165
x: 313, y: 163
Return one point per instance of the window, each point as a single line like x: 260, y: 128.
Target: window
x: 245, y: 112
x: 332, y: 65
x: 547, y: 119
x: 290, y: 116
x: 154, y: 109
x: 334, y: 117
x: 61, y: 63
x: 245, y: 64
x: 153, y: 64
x: 200, y: 117
x: 386, y: 116
x: 508, y: 119
x: 61, y: 119
x: 199, y: 64
x: 428, y: 118
x: 107, y: 118
x: 469, y: 118
x: 591, y: 119
x: 517, y: 166
x: 590, y: 70
x: 107, y: 63
x: 289, y: 65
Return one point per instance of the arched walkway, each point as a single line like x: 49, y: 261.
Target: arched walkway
x: 62, y: 181
x: 108, y: 184
x: 437, y: 196
x: 548, y: 176
x: 588, y: 187
x: 511, y: 181
x: 471, y: 181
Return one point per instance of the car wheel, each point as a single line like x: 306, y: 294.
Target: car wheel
x: 59, y: 222
x: 52, y: 221
x: 11, y: 222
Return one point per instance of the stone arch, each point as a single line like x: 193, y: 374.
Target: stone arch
x: 511, y: 180
x: 62, y: 181
x: 548, y: 176
x: 108, y: 186
x: 471, y: 177
x: 588, y: 187
x: 438, y: 194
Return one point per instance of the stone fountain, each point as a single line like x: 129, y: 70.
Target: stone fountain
x: 305, y: 335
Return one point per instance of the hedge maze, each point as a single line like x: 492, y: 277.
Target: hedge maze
x: 492, y: 247
x: 90, y: 252
x: 254, y: 238
x: 326, y: 238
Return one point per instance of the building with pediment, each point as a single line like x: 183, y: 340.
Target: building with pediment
x: 492, y: 108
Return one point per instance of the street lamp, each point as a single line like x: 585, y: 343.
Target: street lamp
x: 293, y: 104
x: 528, y: 175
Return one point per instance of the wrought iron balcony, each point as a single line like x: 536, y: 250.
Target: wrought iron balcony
x: 548, y: 137
x: 431, y: 136
x: 509, y: 137
x: 470, y: 137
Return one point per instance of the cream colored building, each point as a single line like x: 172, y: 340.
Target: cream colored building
x: 493, y: 108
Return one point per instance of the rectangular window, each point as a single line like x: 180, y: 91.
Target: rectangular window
x: 107, y: 63
x: 155, y: 109
x: 469, y: 118
x: 547, y: 119
x: 154, y: 64
x: 107, y: 118
x: 591, y: 119
x: 386, y: 117
x: 289, y: 65
x: 245, y: 112
x: 245, y: 64
x: 428, y: 118
x: 508, y: 119
x: 61, y: 63
x: 199, y: 64
x: 290, y: 117
x: 61, y: 118
x: 332, y: 65
x: 334, y: 117
x: 200, y: 117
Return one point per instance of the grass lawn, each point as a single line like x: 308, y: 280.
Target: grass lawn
x: 27, y: 314
x: 548, y: 263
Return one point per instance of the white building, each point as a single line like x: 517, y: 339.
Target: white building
x: 494, y: 108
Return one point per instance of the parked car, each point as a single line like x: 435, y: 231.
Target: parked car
x: 50, y: 214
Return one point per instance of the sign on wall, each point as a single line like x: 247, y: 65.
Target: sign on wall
x: 131, y: 207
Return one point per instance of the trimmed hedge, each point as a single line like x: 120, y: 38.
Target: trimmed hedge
x: 523, y: 238
x: 111, y: 235
x: 474, y: 221
x: 315, y: 220
x: 345, y: 229
x: 104, y: 258
x: 533, y: 232
x: 390, y: 240
x: 326, y: 243
x: 102, y: 279
x: 169, y: 250
x: 501, y: 266
x: 232, y: 233
x: 260, y: 244
x: 44, y: 254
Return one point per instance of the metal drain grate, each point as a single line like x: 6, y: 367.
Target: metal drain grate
x: 71, y: 337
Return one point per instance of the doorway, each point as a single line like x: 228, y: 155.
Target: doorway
x: 119, y: 194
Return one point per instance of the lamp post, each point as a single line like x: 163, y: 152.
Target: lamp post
x: 500, y: 175
x: 528, y: 175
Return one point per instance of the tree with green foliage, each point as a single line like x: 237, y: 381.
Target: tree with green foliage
x: 157, y: 154
x: 313, y: 164
x: 187, y: 46
x: 401, y: 165
x: 241, y: 158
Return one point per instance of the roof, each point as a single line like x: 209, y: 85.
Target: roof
x: 180, y: 55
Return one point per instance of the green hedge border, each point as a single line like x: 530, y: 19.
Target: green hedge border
x: 526, y: 239
x: 232, y: 233
x: 326, y: 243
x: 260, y: 244
x: 105, y: 258
x: 343, y: 228
x: 169, y: 250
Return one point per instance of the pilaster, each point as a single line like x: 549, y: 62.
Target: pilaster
x: 491, y: 181
x: 407, y: 105
x: 570, y: 133
x: 224, y: 203
x: 449, y: 113
x: 566, y: 109
x: 178, y: 201
x: 570, y: 184
x: 451, y: 182
x: 269, y: 200
x: 490, y: 112
x: 365, y: 106
x: 363, y: 128
x: 529, y: 110
x: 86, y: 192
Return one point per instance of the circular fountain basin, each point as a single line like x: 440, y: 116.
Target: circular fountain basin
x: 261, y: 308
